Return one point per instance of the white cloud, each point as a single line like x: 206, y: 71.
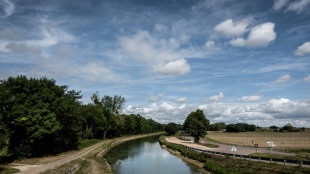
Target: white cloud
x: 279, y: 4
x: 156, y: 98
x: 215, y: 98
x: 211, y: 45
x: 298, y: 6
x: 229, y: 28
x: 177, y: 67
x: 303, y: 49
x: 238, y: 42
x: 22, y: 48
x: 283, y: 79
x: 95, y: 71
x: 307, y: 78
x: 260, y: 36
x: 274, y: 112
x: 8, y: 8
x: 167, y: 107
x: 163, y: 55
x: 180, y: 100
x: 253, y: 98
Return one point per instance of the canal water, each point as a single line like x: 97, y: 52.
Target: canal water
x: 145, y: 156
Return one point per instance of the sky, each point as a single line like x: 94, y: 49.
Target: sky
x: 238, y: 61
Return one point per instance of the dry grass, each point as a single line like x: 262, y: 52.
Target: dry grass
x: 281, y: 140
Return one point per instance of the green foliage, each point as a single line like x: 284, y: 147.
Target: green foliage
x: 172, y: 128
x: 38, y: 117
x: 196, y: 124
x: 217, y: 126
x: 7, y: 170
x: 37, y: 113
x: 240, y: 127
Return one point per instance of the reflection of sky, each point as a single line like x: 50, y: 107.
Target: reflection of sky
x: 150, y: 158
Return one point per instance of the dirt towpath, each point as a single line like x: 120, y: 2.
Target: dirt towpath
x: 38, y: 168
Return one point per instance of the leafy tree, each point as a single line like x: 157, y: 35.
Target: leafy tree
x: 196, y: 124
x: 288, y: 127
x: 39, y: 115
x: 171, y: 128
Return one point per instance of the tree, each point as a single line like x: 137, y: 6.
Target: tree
x: 40, y: 116
x: 171, y: 128
x: 196, y: 124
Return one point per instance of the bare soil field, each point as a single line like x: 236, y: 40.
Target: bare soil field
x: 281, y: 140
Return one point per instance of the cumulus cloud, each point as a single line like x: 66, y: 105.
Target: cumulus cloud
x: 230, y: 28
x: 307, y: 78
x: 260, y: 36
x: 164, y: 113
x: 273, y: 112
x: 237, y: 42
x: 7, y: 8
x: 215, y: 98
x: 279, y: 4
x: 303, y: 49
x: 253, y: 98
x: 156, y: 98
x: 163, y: 55
x: 211, y: 45
x: 167, y: 107
x: 283, y: 79
x: 177, y: 67
x: 22, y: 48
x: 95, y: 71
x: 180, y: 100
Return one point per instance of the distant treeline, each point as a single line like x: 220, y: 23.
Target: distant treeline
x: 38, y: 117
x: 238, y: 127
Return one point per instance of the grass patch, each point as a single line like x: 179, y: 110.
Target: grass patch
x: 278, y: 156
x: 86, y: 143
x: 222, y: 164
x: 209, y: 145
x: 299, y: 151
x: 7, y: 170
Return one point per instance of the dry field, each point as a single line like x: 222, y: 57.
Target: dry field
x: 281, y: 140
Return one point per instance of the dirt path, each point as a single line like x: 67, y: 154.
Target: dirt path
x: 34, y: 169
x: 223, y: 147
x: 37, y: 168
x: 94, y: 169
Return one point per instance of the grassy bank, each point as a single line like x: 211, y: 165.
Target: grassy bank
x: 278, y: 156
x: 222, y: 164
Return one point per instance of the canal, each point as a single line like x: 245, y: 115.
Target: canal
x: 145, y: 155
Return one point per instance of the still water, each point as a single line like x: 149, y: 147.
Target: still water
x: 145, y: 156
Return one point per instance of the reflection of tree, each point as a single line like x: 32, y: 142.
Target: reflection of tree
x: 129, y: 149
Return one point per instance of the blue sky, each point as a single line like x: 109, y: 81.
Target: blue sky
x: 239, y: 61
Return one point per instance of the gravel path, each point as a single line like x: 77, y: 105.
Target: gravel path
x: 224, y: 148
x: 35, y: 169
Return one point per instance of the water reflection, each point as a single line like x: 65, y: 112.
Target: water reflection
x: 146, y: 156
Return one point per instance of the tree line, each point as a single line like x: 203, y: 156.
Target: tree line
x: 38, y: 117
